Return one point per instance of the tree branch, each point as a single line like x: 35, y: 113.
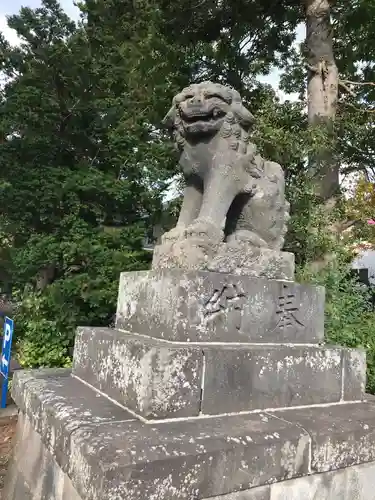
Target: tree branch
x: 349, y: 82
x: 359, y: 109
x: 348, y: 90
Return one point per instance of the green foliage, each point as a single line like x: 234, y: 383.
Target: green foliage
x: 45, y: 343
x: 75, y: 194
x: 349, y: 319
x: 85, y: 293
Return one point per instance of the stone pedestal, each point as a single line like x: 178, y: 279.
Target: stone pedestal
x: 236, y: 257
x: 212, y: 386
x: 219, y: 308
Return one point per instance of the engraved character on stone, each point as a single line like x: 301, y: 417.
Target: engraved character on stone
x: 288, y: 310
x: 229, y: 299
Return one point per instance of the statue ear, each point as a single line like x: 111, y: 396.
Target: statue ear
x: 170, y: 118
x: 243, y: 115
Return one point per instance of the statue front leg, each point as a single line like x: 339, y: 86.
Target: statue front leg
x: 188, y: 246
x: 192, y: 202
x: 190, y: 208
x: 220, y: 189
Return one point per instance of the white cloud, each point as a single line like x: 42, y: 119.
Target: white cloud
x: 68, y: 5
x: 273, y: 79
x: 70, y: 8
x: 9, y: 34
x: 8, y: 9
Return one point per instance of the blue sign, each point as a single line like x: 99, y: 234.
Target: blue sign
x: 5, y: 358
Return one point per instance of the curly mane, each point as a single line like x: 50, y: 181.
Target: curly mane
x: 237, y: 123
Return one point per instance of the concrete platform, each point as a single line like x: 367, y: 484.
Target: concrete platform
x: 90, y: 448
x: 158, y: 379
x: 353, y: 483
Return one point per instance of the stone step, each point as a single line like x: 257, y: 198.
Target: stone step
x: 158, y: 379
x: 195, y: 458
x: 213, y: 307
x: 352, y: 483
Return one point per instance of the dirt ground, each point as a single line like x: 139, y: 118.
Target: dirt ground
x: 7, y: 430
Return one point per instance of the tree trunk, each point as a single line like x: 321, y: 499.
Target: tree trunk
x: 45, y: 277
x: 322, y: 92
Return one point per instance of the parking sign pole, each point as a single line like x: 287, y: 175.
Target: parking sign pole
x: 5, y: 359
x: 4, y: 392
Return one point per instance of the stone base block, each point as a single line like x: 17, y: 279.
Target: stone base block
x: 216, y: 307
x: 35, y: 473
x: 245, y: 260
x: 151, y: 378
x: 236, y: 257
x: 257, y: 377
x: 158, y: 379
x: 352, y: 483
x: 100, y: 452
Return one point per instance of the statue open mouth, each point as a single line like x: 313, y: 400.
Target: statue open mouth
x: 193, y: 116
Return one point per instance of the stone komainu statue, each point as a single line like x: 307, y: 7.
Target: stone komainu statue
x: 232, y: 195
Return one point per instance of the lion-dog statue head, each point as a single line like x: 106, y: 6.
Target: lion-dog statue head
x: 206, y: 108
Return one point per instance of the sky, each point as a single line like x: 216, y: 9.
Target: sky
x: 13, y: 6
x: 9, y: 7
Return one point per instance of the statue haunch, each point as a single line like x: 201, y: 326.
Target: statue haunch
x: 232, y: 194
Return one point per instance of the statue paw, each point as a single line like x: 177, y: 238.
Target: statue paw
x: 175, y: 234
x: 249, y: 237
x: 205, y: 229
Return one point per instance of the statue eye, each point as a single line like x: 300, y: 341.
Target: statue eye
x: 179, y: 98
x: 215, y: 96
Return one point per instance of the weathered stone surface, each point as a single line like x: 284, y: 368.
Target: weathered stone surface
x: 34, y: 473
x: 171, y: 461
x: 353, y: 483
x: 187, y: 459
x: 20, y: 490
x: 215, y: 307
x: 58, y: 404
x: 259, y: 493
x: 354, y: 374
x: 235, y: 258
x: 156, y: 379
x: 244, y: 260
x: 341, y: 436
x: 259, y: 377
x: 150, y: 377
x: 231, y: 193
x: 111, y: 458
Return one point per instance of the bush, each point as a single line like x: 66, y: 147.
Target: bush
x: 83, y: 294
x: 349, y: 319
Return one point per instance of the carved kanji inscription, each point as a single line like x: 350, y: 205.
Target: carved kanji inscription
x: 229, y: 298
x: 287, y: 310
